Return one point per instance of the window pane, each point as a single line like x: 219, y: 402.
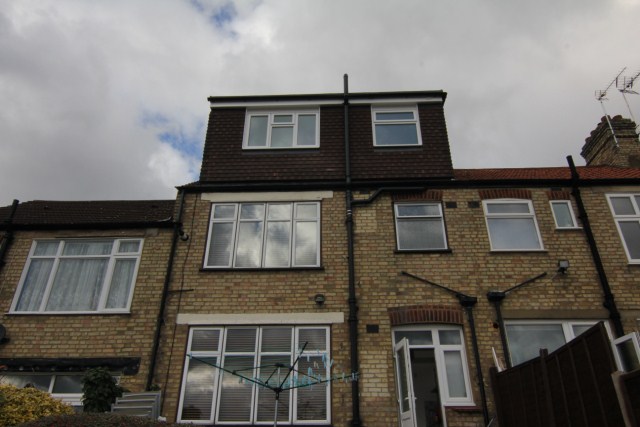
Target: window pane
x: 129, y: 246
x: 580, y: 329
x: 276, y: 340
x: 455, y: 374
x: 283, y: 118
x: 420, y: 234
x: 513, y: 233
x: 404, y: 386
x: 121, y: 283
x: 306, y: 244
x: 507, y: 208
x: 622, y: 206
x: 77, y: 285
x: 282, y: 136
x: 396, y: 134
x: 279, y: 211
x: 395, y: 116
x: 312, y: 401
x: 628, y: 356
x: 277, y: 250
x: 205, y: 340
x: 419, y: 210
x: 235, y: 394
x: 224, y: 212
x: 221, y: 244
x: 258, y: 131
x: 415, y: 337
x: 266, y: 398
x: 199, y: 389
x: 252, y: 211
x: 525, y: 341
x: 562, y: 214
x: 315, y: 338
x: 306, y: 211
x: 449, y: 337
x: 34, y: 285
x: 307, y: 130
x: 249, y: 244
x: 84, y: 247
x: 631, y: 234
x: 46, y: 248
x: 241, y: 340
x: 67, y: 384
x: 41, y: 382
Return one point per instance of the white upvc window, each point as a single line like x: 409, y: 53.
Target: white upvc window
x: 563, y: 214
x: 266, y: 129
x: 444, y: 345
x: 396, y: 126
x: 526, y: 337
x: 66, y: 387
x: 512, y: 225
x: 626, y: 213
x: 626, y: 350
x: 264, y: 235
x: 79, y: 275
x: 214, y: 395
x: 420, y: 226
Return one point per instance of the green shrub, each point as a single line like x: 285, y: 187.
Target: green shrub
x: 100, y: 390
x: 97, y: 420
x: 26, y: 404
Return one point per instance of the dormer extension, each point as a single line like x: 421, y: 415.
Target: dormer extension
x: 300, y: 139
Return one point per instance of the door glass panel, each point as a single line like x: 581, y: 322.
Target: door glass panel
x: 455, y: 374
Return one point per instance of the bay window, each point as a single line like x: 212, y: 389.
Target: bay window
x: 79, y: 275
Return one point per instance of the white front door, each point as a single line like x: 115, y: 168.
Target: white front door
x: 406, y: 397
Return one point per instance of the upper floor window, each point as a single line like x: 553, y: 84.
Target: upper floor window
x: 281, y: 129
x: 79, y: 275
x: 563, y: 214
x: 626, y: 212
x: 512, y: 225
x: 420, y: 226
x: 264, y: 235
x: 396, y: 126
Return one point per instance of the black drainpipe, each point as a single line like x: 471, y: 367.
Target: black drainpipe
x: 353, y: 302
x: 177, y: 231
x: 609, y: 301
x: 467, y: 302
x: 8, y: 234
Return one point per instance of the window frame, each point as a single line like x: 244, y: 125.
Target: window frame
x: 257, y: 354
x: 106, y: 282
x: 439, y: 350
x: 293, y: 220
x: 271, y: 124
x: 530, y: 215
x: 618, y: 218
x: 568, y: 203
x: 418, y: 218
x: 412, y: 108
x: 566, y: 324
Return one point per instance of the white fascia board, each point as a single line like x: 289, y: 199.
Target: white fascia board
x: 396, y: 101
x: 261, y: 319
x: 269, y: 196
x: 276, y: 104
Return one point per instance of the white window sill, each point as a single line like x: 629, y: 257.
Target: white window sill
x: 65, y: 313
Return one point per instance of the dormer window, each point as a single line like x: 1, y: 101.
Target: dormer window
x: 281, y: 129
x: 396, y: 126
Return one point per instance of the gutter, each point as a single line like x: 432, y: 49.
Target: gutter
x: 609, y: 301
x: 7, y: 238
x: 165, y: 293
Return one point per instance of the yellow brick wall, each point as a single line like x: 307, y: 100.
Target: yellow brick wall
x: 88, y: 335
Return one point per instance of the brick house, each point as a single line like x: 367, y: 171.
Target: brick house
x: 80, y: 286
x: 333, y: 231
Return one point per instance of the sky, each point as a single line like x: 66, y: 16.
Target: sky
x: 108, y: 99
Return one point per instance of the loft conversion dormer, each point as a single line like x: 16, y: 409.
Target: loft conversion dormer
x: 271, y: 139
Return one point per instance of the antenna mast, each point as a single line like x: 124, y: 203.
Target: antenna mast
x: 601, y: 95
x: 626, y: 86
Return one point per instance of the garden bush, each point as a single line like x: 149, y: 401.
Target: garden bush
x: 25, y: 404
x: 99, y: 390
x: 97, y: 420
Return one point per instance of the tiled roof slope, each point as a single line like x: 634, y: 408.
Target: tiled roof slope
x: 48, y: 213
x: 555, y: 173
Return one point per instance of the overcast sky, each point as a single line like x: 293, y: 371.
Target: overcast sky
x: 108, y: 99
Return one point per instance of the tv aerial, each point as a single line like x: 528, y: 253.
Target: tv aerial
x: 625, y: 85
x: 601, y: 96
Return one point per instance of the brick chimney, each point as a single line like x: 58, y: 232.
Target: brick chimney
x: 600, y: 148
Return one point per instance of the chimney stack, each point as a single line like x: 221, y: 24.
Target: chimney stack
x: 600, y: 149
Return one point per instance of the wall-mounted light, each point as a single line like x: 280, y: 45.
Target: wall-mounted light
x: 563, y: 266
x: 319, y: 299
x: 183, y: 236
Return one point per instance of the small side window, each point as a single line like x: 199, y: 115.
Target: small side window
x: 563, y: 214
